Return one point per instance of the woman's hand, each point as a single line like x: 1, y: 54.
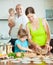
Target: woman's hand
x: 38, y: 47
x: 48, y: 47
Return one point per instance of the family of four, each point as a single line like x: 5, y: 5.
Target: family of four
x: 26, y: 29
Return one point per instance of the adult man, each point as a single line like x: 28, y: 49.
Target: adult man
x: 19, y: 21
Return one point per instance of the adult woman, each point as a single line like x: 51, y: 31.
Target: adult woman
x: 38, y: 30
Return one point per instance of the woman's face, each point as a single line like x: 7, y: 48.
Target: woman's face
x: 30, y: 16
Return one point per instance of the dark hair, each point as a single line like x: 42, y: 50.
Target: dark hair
x: 22, y: 33
x: 29, y: 10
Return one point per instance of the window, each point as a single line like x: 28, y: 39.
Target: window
x: 49, y: 14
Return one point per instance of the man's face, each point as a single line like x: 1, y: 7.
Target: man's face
x: 19, y: 10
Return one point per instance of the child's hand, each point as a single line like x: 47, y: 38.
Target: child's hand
x: 31, y: 50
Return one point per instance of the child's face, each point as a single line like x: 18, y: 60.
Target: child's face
x: 12, y: 13
x: 23, y: 39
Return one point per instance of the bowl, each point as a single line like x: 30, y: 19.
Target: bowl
x: 42, y: 51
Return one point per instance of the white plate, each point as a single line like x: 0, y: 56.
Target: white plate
x: 37, y: 62
x: 46, y: 58
x: 49, y: 61
x: 4, y: 60
x: 36, y: 59
x: 15, y: 61
x: 52, y: 59
x: 27, y: 59
x: 20, y: 59
x: 12, y: 59
x: 25, y: 62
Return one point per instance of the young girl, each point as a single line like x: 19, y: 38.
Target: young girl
x: 21, y: 44
x: 11, y: 18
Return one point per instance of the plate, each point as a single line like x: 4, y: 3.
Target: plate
x: 25, y: 61
x: 48, y: 61
x: 36, y: 59
x: 20, y: 59
x: 4, y: 61
x: 12, y: 59
x: 46, y: 58
x: 15, y: 61
x: 38, y: 62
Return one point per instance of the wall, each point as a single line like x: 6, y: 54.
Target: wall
x: 39, y: 6
x: 4, y: 28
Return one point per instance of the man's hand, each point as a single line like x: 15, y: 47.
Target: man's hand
x: 11, y: 24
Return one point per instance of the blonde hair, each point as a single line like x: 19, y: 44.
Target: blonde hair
x: 11, y: 9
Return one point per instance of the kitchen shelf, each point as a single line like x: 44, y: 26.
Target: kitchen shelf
x: 3, y: 19
x: 49, y: 19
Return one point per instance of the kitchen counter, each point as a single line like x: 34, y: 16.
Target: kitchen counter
x: 4, y: 40
x: 14, y: 63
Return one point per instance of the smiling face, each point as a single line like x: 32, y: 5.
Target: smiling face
x: 30, y: 16
x: 19, y: 9
x: 30, y: 13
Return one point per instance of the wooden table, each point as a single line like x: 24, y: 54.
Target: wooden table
x: 10, y: 63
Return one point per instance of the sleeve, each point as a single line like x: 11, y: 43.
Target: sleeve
x: 25, y: 21
x: 17, y: 42
x: 27, y: 43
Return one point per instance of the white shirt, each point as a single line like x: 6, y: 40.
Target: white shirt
x: 18, y: 21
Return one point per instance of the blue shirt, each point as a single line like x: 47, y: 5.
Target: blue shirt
x: 23, y: 44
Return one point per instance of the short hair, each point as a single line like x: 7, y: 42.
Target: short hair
x: 29, y: 10
x: 17, y: 6
x: 22, y: 33
x: 11, y: 9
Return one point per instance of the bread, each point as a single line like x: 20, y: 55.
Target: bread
x: 28, y: 54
